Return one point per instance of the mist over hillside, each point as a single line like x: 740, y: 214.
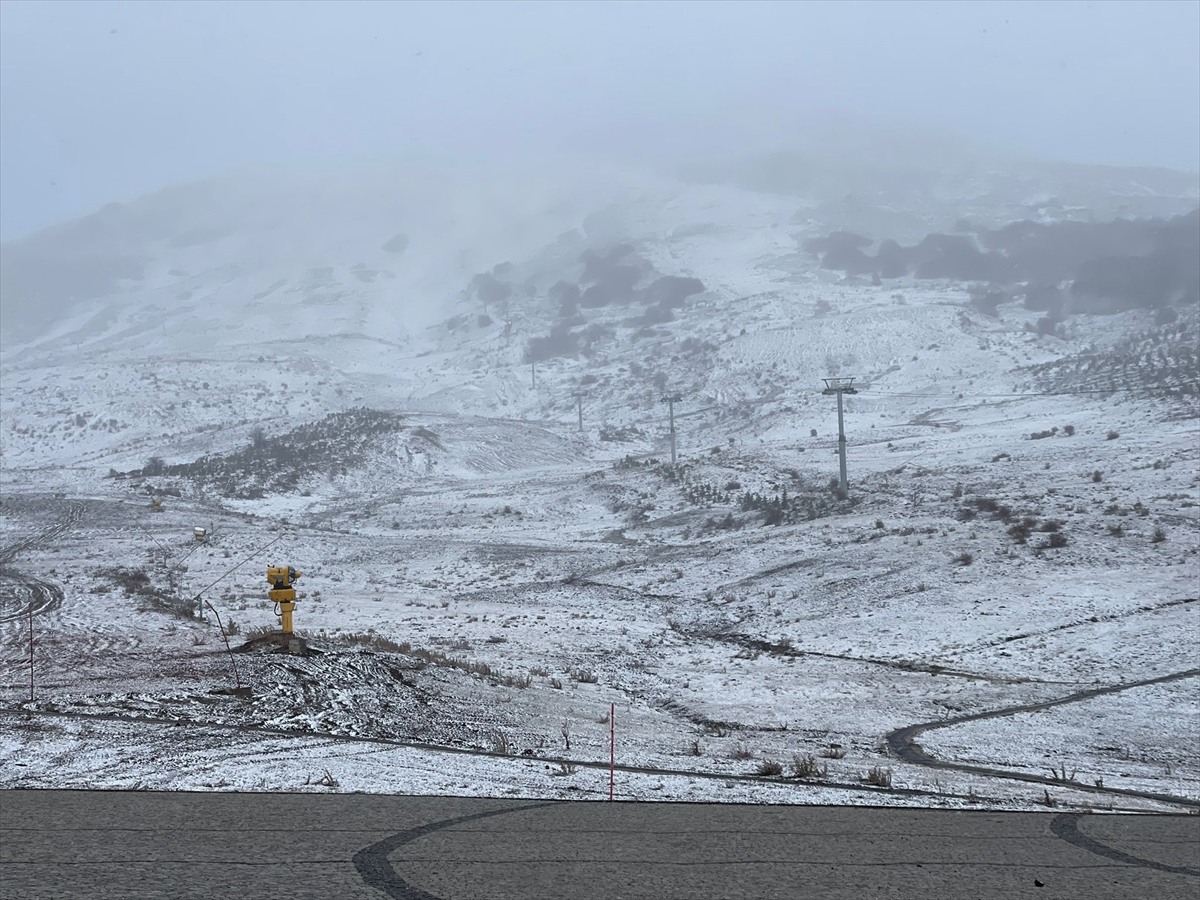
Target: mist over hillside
x: 391, y: 244
x: 398, y: 235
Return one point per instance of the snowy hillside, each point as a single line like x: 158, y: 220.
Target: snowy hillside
x: 379, y: 378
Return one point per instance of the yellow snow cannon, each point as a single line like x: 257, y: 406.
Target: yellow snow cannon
x: 283, y: 593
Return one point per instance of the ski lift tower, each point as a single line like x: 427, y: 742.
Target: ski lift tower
x: 579, y: 395
x: 671, y: 400
x: 840, y: 386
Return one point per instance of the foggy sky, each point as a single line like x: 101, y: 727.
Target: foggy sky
x: 103, y: 101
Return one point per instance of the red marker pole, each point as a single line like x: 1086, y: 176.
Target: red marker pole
x: 612, y: 747
x: 31, y: 651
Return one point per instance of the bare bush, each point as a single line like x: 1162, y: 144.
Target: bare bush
x: 1060, y: 774
x: 501, y: 744
x: 806, y: 766
x: 769, y: 768
x: 879, y: 777
x: 741, y: 751
x: 1020, y: 531
x: 326, y: 780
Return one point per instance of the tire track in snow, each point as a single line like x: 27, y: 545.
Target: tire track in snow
x: 22, y: 594
x: 1082, y: 623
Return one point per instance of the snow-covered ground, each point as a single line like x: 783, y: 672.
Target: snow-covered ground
x: 485, y: 577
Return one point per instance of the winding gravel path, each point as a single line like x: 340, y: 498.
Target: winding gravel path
x: 902, y: 742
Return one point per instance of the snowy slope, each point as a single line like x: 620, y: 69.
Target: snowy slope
x: 485, y: 575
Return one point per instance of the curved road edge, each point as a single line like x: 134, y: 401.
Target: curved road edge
x: 902, y: 742
x: 376, y: 869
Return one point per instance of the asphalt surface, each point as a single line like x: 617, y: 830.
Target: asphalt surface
x: 250, y: 846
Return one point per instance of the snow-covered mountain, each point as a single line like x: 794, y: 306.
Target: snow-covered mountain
x: 378, y: 376
x: 276, y: 295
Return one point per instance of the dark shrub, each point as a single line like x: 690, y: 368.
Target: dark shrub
x: 396, y: 245
x: 1166, y: 316
x: 850, y: 260
x: 1048, y: 326
x: 955, y: 256
x: 891, y: 261
x: 671, y: 291
x: 559, y: 342
x: 617, y: 287
x: 490, y: 289
x: 1045, y: 298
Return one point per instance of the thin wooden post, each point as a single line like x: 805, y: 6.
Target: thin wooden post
x: 225, y: 637
x: 612, y: 747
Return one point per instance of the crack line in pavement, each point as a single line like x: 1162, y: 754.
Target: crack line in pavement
x: 1066, y: 827
x: 376, y: 870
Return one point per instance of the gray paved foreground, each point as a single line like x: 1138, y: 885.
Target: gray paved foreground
x: 250, y: 846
